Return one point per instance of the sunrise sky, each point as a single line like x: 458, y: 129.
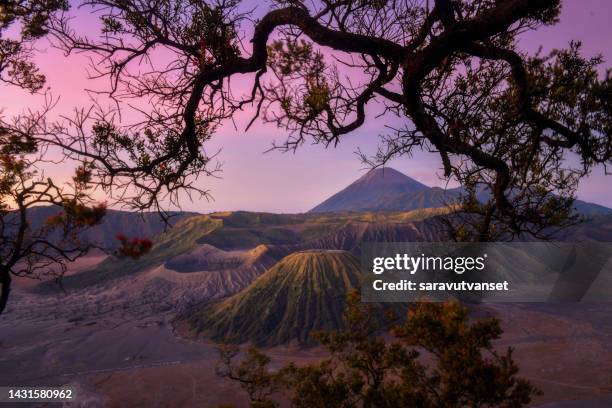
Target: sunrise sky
x: 277, y: 182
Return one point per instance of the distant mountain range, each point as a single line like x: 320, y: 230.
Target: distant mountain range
x: 386, y: 189
x: 130, y: 224
x: 379, y: 190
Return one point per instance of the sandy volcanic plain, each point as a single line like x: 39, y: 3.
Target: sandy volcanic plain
x: 116, y: 343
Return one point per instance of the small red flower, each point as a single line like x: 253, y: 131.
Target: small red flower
x: 134, y: 247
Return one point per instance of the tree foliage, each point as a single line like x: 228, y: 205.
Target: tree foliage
x: 31, y: 250
x: 27, y: 249
x: 30, y: 19
x: 523, y: 129
x: 436, y: 358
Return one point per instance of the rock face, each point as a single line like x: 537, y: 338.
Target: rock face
x: 303, y: 292
x: 207, y: 258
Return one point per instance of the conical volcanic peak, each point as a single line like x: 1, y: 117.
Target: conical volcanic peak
x: 304, y: 292
x: 371, y: 191
x: 387, y: 176
x: 386, y: 189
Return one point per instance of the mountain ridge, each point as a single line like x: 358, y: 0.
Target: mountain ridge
x: 130, y: 224
x: 386, y: 189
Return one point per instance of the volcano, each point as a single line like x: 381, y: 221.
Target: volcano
x: 386, y: 189
x: 304, y: 292
x: 371, y: 191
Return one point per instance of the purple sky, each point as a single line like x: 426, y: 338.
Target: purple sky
x: 280, y: 182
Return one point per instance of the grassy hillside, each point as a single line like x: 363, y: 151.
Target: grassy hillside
x: 177, y: 240
x: 244, y: 230
x: 303, y: 292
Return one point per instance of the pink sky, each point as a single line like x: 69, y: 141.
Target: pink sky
x: 288, y: 182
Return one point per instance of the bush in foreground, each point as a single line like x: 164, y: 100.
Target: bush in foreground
x: 436, y: 358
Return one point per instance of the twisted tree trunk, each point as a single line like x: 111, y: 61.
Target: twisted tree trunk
x: 5, y: 281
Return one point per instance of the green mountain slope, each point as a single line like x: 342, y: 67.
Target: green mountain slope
x: 177, y: 240
x: 304, y: 292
